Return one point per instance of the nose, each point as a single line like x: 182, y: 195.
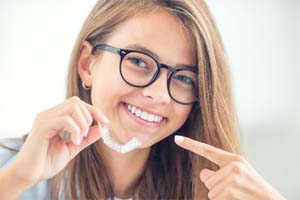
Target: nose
x: 158, y: 90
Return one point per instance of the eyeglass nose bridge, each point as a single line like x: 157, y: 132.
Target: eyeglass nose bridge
x: 160, y: 66
x: 171, y: 69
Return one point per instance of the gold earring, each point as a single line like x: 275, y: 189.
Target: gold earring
x: 85, y: 87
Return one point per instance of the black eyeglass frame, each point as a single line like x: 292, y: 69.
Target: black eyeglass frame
x: 124, y: 52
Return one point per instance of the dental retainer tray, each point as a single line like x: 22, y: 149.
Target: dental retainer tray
x: 121, y: 148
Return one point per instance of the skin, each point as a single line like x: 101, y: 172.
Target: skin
x: 44, y: 154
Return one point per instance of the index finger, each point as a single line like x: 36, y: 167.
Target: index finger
x: 216, y: 155
x: 97, y: 114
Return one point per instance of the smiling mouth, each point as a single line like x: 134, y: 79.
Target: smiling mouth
x: 143, y: 115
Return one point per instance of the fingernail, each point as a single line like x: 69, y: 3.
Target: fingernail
x: 106, y: 120
x: 78, y: 141
x: 179, y: 138
x: 100, y: 127
x: 85, y: 132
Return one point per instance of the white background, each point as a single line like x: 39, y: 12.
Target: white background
x: 262, y: 41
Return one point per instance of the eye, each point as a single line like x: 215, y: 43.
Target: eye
x: 138, y: 62
x: 184, y: 79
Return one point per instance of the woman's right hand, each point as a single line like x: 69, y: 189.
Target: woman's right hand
x: 45, y: 153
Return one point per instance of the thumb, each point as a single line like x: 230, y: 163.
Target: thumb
x: 205, y: 174
x: 92, y: 136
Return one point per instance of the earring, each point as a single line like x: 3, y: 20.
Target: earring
x: 85, y: 87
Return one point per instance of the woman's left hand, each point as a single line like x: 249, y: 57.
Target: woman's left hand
x: 236, y: 178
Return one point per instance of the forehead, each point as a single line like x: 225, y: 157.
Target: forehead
x: 160, y: 32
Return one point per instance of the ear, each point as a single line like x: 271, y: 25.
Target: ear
x: 85, y: 62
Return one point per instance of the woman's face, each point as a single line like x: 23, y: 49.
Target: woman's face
x: 161, y: 34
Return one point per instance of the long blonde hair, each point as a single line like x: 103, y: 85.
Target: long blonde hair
x: 171, y: 172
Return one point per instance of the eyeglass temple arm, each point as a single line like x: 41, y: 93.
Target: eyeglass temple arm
x: 107, y: 48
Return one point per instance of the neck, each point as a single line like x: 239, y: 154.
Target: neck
x: 124, y: 170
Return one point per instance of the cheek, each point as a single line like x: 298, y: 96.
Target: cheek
x: 179, y: 117
x: 183, y: 114
x: 107, y: 86
x: 182, y: 111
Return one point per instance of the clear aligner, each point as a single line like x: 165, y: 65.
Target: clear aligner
x: 121, y: 148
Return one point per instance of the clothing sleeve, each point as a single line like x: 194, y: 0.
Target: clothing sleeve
x: 8, y: 151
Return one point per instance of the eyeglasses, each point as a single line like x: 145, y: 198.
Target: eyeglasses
x: 139, y: 69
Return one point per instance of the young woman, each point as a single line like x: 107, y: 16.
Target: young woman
x: 151, y: 70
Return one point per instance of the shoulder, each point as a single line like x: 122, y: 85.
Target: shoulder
x: 9, y: 149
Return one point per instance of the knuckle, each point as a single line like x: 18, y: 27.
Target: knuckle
x: 207, y: 149
x: 75, y: 99
x: 237, y: 168
x: 239, y: 158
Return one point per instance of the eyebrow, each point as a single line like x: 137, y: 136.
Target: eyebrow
x: 148, y: 51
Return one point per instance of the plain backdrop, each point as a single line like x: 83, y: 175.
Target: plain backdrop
x: 261, y: 38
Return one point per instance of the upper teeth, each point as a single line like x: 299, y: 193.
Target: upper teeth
x: 144, y: 115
